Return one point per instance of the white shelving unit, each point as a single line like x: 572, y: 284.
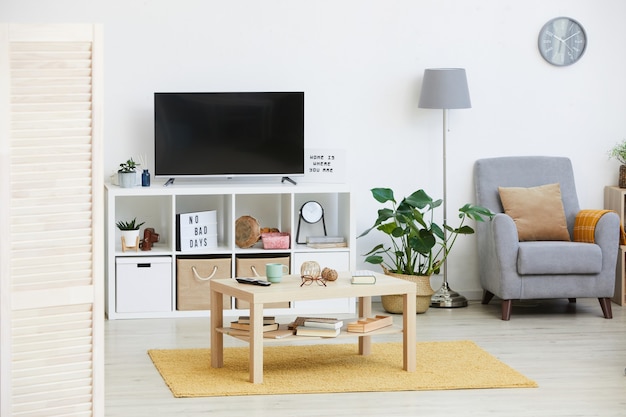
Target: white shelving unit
x: 274, y: 205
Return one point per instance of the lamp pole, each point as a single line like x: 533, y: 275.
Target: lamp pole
x: 445, y: 88
x: 445, y: 296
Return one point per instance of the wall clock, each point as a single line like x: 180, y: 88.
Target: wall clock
x: 562, y: 41
x: 311, y: 212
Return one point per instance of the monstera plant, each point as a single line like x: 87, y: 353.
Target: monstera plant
x: 417, y: 245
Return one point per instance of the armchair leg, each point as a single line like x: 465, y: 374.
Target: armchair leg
x: 487, y: 296
x: 507, y: 306
x: 605, y: 303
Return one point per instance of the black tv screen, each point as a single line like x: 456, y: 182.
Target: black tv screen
x: 229, y: 134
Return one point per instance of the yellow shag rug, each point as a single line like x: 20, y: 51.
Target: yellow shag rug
x: 335, y: 368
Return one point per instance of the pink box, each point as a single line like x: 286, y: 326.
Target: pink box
x: 275, y: 240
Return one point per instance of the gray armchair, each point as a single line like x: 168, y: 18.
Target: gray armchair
x: 514, y: 270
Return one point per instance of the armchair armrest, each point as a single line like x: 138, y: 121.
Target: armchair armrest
x: 607, y: 236
x: 498, y: 246
x: 505, y: 240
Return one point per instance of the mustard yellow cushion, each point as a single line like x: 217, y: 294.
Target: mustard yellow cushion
x: 537, y: 211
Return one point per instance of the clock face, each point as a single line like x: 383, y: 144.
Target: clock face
x: 562, y: 41
x: 312, y: 211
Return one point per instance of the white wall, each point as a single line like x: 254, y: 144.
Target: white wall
x: 360, y: 63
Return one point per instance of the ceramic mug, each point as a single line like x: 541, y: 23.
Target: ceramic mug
x: 274, y: 272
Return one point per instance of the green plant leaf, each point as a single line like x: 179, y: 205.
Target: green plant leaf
x: 382, y: 195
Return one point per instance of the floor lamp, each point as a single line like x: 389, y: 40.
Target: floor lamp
x: 445, y: 88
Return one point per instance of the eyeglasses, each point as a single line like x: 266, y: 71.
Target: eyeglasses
x: 308, y: 280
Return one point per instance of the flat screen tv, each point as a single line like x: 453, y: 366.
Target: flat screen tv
x: 243, y: 134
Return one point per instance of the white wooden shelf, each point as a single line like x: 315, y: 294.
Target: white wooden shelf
x: 273, y: 204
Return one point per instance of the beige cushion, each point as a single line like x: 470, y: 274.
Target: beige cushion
x: 537, y: 211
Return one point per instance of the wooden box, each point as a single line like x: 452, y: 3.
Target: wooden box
x: 370, y: 324
x: 193, y: 279
x: 255, y: 267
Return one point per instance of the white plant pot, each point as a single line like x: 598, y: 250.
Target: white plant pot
x: 127, y: 179
x: 129, y: 239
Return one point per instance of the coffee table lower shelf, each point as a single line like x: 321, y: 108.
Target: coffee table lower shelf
x: 292, y: 337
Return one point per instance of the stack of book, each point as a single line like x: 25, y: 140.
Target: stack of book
x: 323, y: 242
x: 243, y: 323
x: 319, y: 327
x: 271, y: 329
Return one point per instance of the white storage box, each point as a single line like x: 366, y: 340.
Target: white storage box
x: 196, y: 231
x: 143, y: 284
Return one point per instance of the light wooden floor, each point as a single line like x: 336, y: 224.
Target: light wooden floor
x: 577, y: 358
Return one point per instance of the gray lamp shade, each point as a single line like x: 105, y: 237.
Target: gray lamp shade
x: 445, y: 88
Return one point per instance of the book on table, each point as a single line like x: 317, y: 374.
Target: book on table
x: 272, y: 334
x: 323, y: 323
x: 363, y: 277
x: 266, y: 319
x: 246, y: 326
x: 317, y: 332
x: 299, y: 321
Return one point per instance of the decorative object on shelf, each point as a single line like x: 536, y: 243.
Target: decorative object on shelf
x: 619, y: 152
x: 145, y: 175
x: 562, y: 41
x: 196, y: 230
x: 311, y: 212
x: 445, y: 88
x: 247, y: 231
x: 127, y: 174
x: 145, y: 178
x: 419, y: 246
x: 275, y: 240
x: 329, y: 274
x: 149, y: 237
x: 130, y: 234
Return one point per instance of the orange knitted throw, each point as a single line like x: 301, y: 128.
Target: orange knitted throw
x: 585, y: 226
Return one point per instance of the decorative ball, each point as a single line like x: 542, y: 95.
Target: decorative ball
x: 310, y: 268
x: 329, y: 274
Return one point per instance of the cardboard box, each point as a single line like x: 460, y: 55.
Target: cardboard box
x: 193, y: 276
x: 255, y: 267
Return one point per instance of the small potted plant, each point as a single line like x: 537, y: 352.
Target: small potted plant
x: 619, y: 152
x: 127, y: 174
x: 130, y: 234
x: 419, y: 246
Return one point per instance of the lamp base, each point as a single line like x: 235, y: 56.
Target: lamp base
x: 444, y: 297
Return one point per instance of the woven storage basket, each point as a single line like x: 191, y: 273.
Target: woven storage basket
x: 393, y: 303
x: 622, y: 176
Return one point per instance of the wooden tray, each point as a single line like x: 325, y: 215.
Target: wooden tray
x: 369, y: 324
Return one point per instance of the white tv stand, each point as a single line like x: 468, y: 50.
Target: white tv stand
x: 274, y: 205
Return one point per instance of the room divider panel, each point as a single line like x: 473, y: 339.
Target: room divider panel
x: 51, y: 220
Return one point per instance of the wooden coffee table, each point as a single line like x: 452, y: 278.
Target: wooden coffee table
x: 290, y: 290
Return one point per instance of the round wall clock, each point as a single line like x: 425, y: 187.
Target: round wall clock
x: 562, y: 41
